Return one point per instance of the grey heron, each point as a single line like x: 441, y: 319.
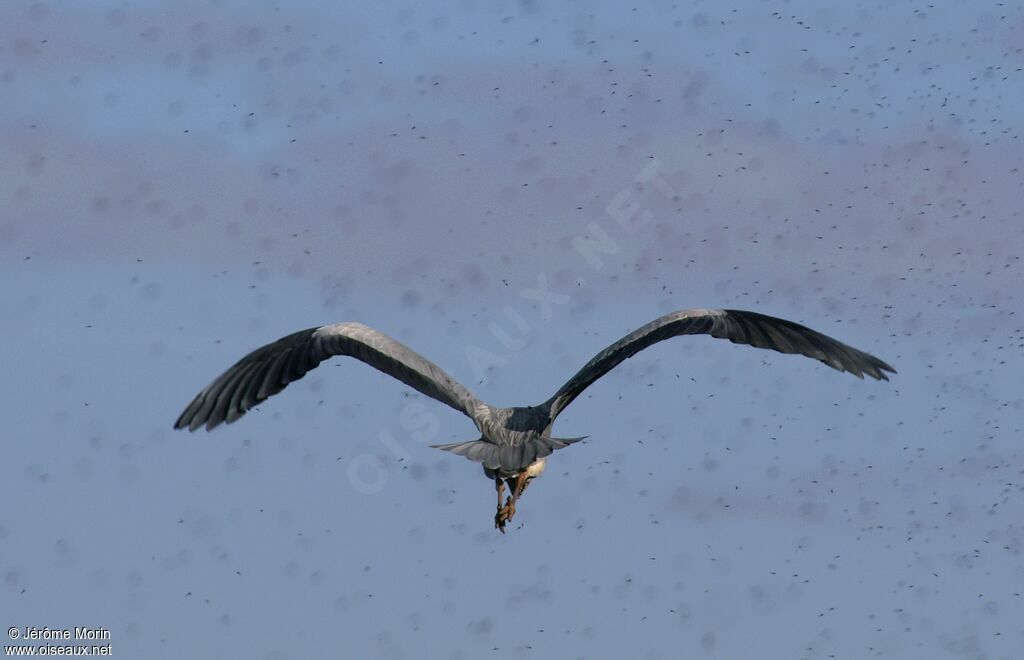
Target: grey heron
x: 514, y: 443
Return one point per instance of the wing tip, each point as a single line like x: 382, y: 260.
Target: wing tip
x: 196, y: 422
x: 881, y: 367
x: 184, y: 421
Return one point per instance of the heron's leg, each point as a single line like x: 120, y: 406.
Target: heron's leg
x: 521, y: 483
x: 501, y: 517
x: 517, y: 492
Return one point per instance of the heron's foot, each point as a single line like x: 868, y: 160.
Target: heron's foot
x: 504, y: 515
x: 500, y: 518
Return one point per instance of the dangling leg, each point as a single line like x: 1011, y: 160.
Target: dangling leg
x: 501, y: 517
x: 517, y: 491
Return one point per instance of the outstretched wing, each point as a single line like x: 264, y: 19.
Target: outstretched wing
x: 738, y: 327
x: 268, y: 370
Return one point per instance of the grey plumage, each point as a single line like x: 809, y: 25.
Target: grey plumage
x: 510, y: 438
x: 737, y: 326
x: 268, y: 370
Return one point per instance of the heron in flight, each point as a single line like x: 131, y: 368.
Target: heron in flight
x: 514, y: 443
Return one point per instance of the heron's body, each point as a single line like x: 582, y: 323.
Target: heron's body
x: 514, y: 443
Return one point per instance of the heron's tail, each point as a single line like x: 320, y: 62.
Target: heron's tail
x: 508, y: 457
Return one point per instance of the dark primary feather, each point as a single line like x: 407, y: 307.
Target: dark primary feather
x: 737, y: 326
x: 268, y: 370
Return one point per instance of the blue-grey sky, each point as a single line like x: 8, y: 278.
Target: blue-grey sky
x: 508, y: 188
